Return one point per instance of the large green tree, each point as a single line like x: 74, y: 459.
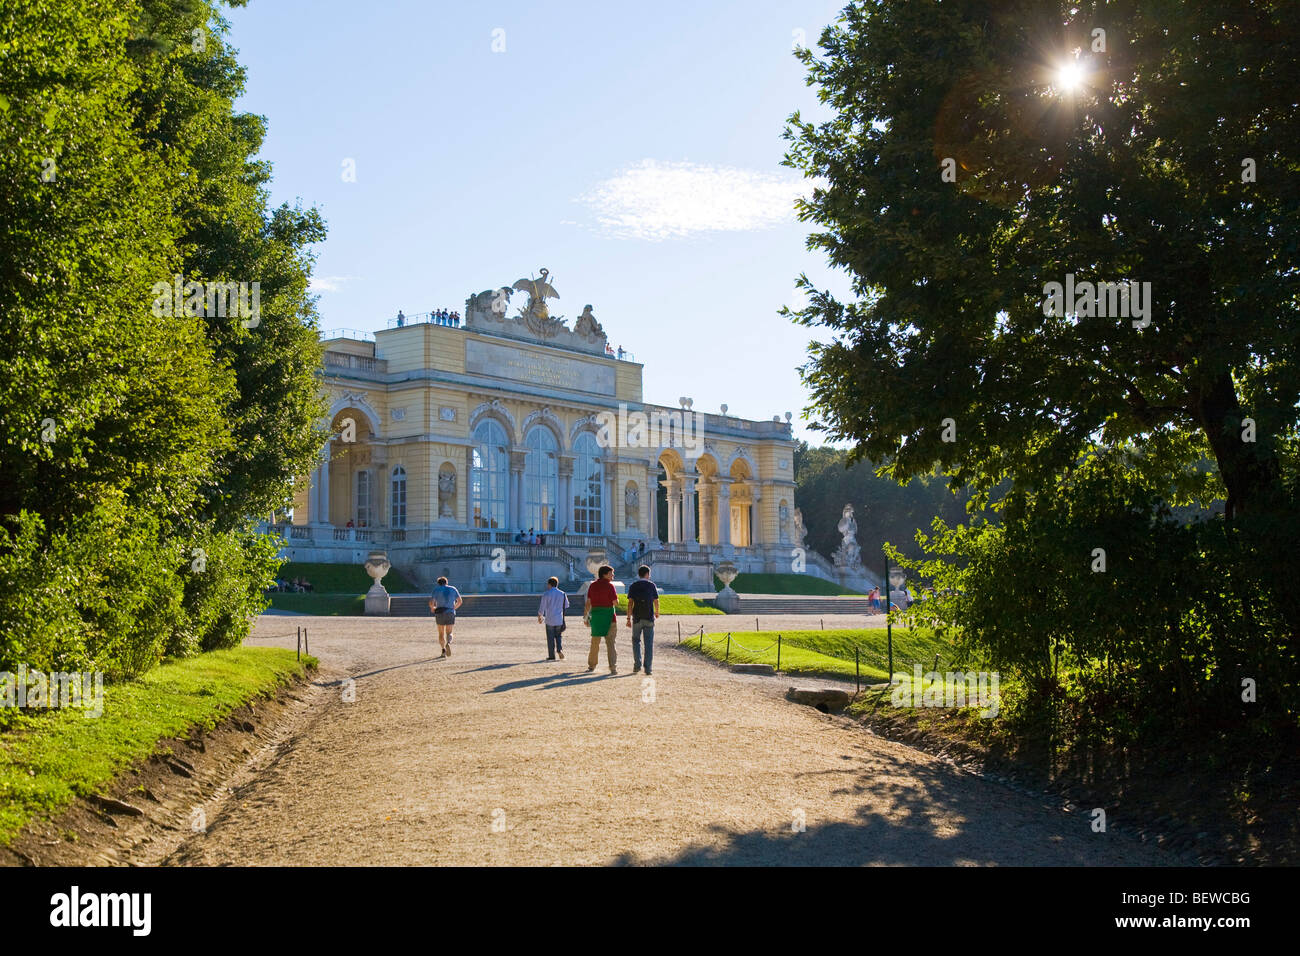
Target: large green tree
x: 1173, y: 162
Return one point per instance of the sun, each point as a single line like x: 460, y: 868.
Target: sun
x: 1070, y: 76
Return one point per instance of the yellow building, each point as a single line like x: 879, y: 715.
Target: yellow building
x: 451, y: 436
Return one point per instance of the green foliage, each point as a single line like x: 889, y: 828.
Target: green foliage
x: 1165, y: 630
x: 885, y: 510
x: 130, y: 439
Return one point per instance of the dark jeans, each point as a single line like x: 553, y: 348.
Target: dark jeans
x: 553, y: 639
x: 648, y: 629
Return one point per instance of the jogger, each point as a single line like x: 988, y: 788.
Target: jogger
x: 443, y: 603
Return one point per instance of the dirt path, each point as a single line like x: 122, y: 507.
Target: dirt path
x: 499, y: 756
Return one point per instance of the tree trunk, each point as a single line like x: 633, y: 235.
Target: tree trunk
x: 1250, y: 472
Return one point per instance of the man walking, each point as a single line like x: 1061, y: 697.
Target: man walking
x: 443, y: 604
x: 551, y: 613
x: 601, y: 611
x: 642, y: 609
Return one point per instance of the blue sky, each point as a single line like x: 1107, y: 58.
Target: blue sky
x: 633, y: 151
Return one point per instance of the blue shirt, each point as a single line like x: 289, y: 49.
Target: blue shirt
x: 444, y: 595
x: 554, y: 601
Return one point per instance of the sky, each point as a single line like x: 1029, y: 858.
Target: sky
x: 634, y: 151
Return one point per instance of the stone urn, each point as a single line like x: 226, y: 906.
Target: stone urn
x: 595, y: 558
x: 897, y: 576
x: 377, y: 565
x: 727, y: 599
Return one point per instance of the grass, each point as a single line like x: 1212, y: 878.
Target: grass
x: 343, y: 578
x: 830, y: 652
x: 675, y: 604
x: 53, y: 757
x: 325, y: 604
x: 783, y: 584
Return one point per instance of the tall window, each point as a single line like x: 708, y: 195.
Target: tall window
x: 397, y: 512
x: 588, y: 480
x: 489, y: 477
x: 364, y: 508
x: 541, y: 479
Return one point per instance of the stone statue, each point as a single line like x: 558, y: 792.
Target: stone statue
x: 446, y: 493
x: 848, y: 555
x: 587, y: 326
x: 800, y: 531
x: 535, y: 315
x: 632, y: 500
x: 490, y: 304
x: 784, y: 523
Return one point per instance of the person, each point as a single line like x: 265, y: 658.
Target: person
x: 874, y: 597
x: 620, y: 351
x: 443, y: 603
x: 532, y: 536
x: 551, y: 613
x: 600, y: 610
x: 401, y: 319
x: 541, y: 539
x: 520, y: 538
x: 350, y: 524
x: 642, y: 610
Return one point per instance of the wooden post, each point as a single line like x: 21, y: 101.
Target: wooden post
x: 778, y: 653
x: 857, y: 667
x: 728, y: 657
x: 299, y: 642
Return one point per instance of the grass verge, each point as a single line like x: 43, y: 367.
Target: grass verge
x: 675, y: 604
x: 829, y: 652
x: 50, y: 759
x: 343, y: 578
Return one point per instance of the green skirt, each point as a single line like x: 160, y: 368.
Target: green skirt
x: 601, y: 619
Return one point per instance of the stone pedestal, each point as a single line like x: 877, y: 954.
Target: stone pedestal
x: 727, y: 601
x: 377, y: 600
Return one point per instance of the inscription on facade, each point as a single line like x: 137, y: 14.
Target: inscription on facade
x: 484, y: 358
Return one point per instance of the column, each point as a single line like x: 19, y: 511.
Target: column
x: 564, y: 516
x: 688, y: 510
x: 706, y: 513
x: 463, y: 488
x: 652, y: 493
x: 723, y: 508
x: 313, y: 495
x: 674, y: 511
x: 325, y: 484
x: 518, y: 460
x: 610, y: 521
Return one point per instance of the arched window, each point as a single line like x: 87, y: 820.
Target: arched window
x: 588, y: 482
x: 364, y: 499
x: 541, y: 479
x: 490, y: 476
x: 397, y: 517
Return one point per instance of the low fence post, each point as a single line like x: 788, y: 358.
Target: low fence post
x: 778, y: 653
x: 305, y: 642
x: 756, y: 627
x: 728, y: 657
x: 679, y: 632
x: 299, y: 642
x: 857, y: 670
x: 701, y: 638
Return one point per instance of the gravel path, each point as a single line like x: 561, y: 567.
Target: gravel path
x: 498, y: 756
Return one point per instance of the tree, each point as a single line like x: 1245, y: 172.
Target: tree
x: 1134, y: 175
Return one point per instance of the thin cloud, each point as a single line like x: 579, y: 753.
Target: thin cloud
x: 655, y: 201
x: 328, y: 283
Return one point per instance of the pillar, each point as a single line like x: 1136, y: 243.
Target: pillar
x: 722, y: 505
x: 688, y: 509
x: 674, y: 511
x: 564, y: 515
x: 518, y: 460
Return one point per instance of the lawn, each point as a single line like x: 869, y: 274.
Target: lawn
x: 53, y: 757
x: 343, y: 578
x: 830, y: 652
x: 675, y: 604
x: 783, y: 584
x: 319, y: 603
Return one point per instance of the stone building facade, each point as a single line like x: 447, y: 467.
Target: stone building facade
x: 449, y: 438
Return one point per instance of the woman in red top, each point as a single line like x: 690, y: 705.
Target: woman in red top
x: 599, y: 611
